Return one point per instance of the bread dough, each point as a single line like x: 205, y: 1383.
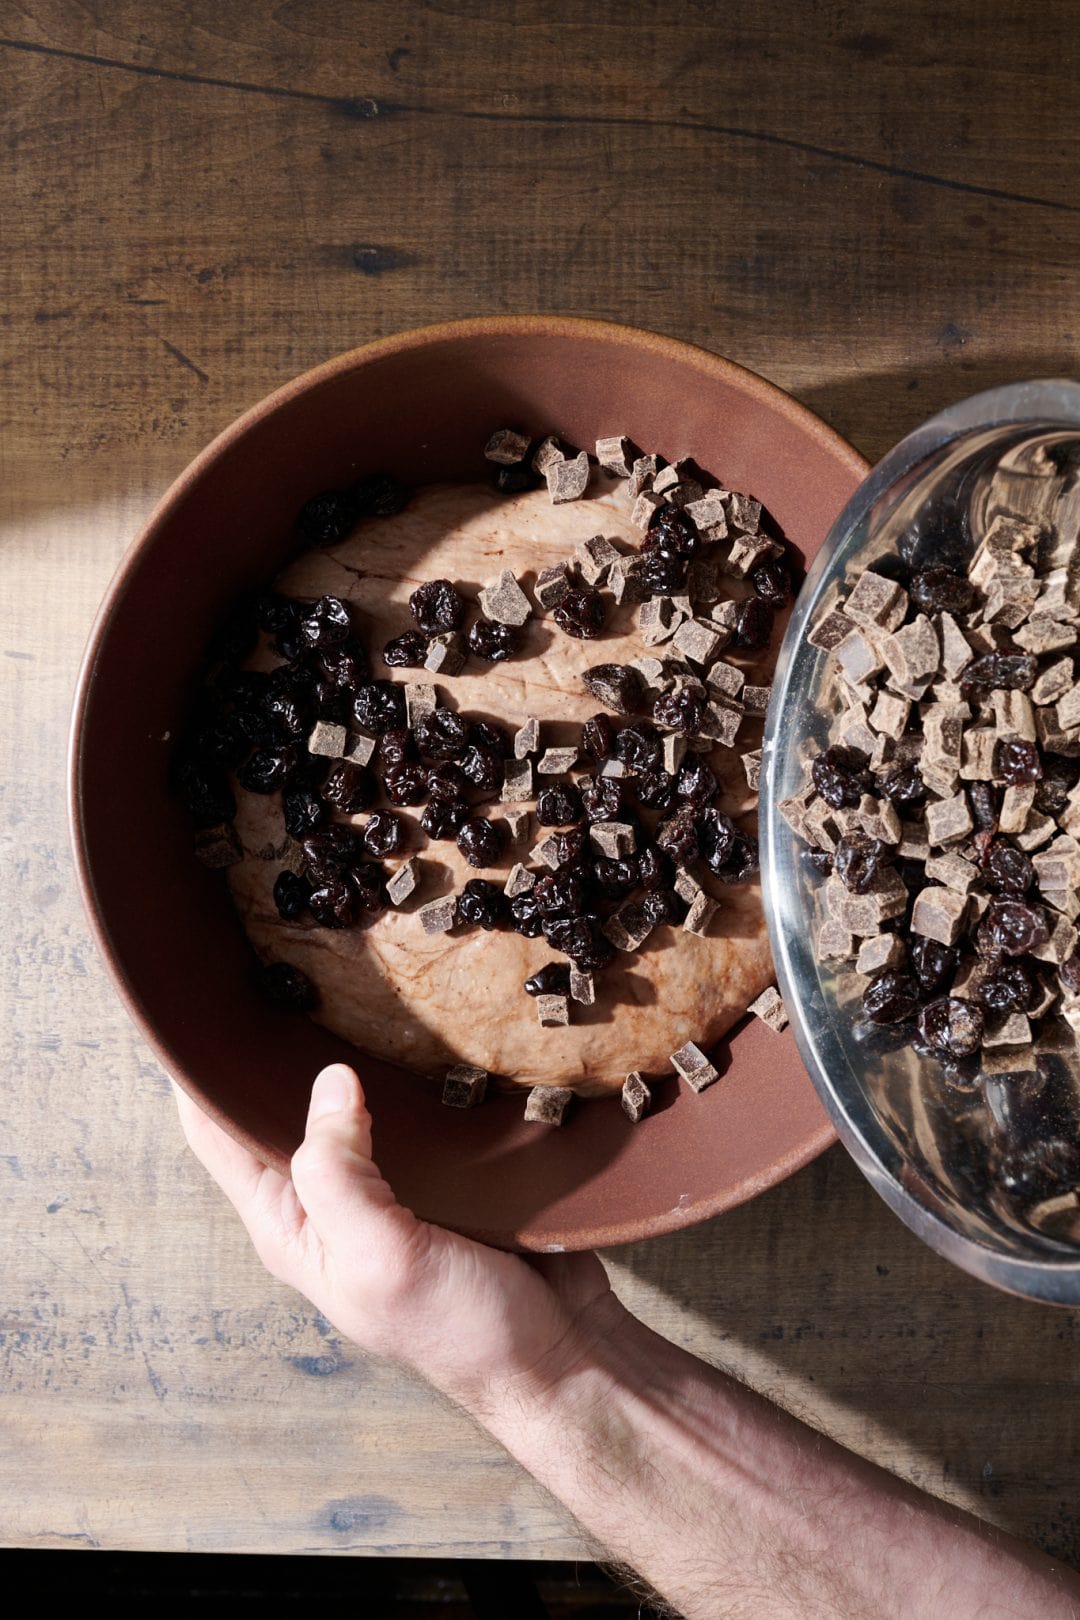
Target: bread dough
x: 429, y: 1001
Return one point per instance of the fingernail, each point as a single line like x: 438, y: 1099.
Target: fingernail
x: 330, y: 1094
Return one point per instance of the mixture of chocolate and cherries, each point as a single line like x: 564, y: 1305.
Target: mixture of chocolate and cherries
x: 945, y: 814
x: 482, y: 767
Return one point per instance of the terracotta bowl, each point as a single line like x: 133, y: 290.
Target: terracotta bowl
x: 421, y: 406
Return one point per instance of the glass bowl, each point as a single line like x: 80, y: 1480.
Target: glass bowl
x: 927, y: 1148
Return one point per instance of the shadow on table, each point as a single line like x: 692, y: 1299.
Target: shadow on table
x: 817, y: 1296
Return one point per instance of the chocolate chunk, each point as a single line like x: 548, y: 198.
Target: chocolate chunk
x: 953, y: 871
x: 1037, y: 829
x: 658, y: 620
x: 464, y: 1086
x: 674, y: 751
x: 567, y: 480
x: 642, y: 473
x: 547, y: 1105
x: 360, y: 748
x: 1043, y: 634
x: 747, y: 551
x: 697, y: 641
x: 769, y: 1007
x: 218, y: 847
x: 327, y: 740
x: 438, y: 916
x: 615, y: 455
x: 890, y: 714
x: 445, y: 655
x: 694, y: 1067
x: 546, y: 454
x: 547, y: 852
x: 703, y: 908
x: 517, y: 785
x: 624, y: 580
x: 404, y: 882
x: 751, y: 764
x: 977, y: 759
x: 421, y: 700
x: 504, y: 601
x: 725, y: 679
x: 551, y: 585
x: 835, y: 943
x: 1016, y: 804
x: 506, y: 447
x: 876, y: 600
x: 644, y: 508
x: 517, y: 823
x: 557, y: 761
x: 613, y: 838
x: 721, y: 723
x: 628, y: 927
x: 520, y: 881
x: 709, y: 515
x: 594, y: 559
x: 582, y: 985
x: 755, y: 699
x: 939, y: 914
x: 912, y: 652
x: 949, y: 820
x: 1014, y: 1031
x: 552, y: 1010
x: 527, y: 738
x: 859, y: 656
x: 878, y: 952
x: 636, y: 1097
x: 831, y: 630
x: 744, y: 512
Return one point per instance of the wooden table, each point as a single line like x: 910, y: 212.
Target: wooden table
x: 873, y: 205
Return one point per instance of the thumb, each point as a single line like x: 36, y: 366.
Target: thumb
x: 332, y: 1170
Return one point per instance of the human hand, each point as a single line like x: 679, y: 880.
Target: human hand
x: 475, y: 1321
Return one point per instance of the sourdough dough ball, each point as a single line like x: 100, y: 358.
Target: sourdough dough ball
x: 429, y: 1001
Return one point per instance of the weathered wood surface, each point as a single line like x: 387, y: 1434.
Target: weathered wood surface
x: 875, y: 206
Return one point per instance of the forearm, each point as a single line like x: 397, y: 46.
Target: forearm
x: 727, y: 1506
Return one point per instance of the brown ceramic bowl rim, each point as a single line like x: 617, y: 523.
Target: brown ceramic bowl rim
x: 479, y: 327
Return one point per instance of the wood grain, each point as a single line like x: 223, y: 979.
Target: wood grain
x: 876, y: 207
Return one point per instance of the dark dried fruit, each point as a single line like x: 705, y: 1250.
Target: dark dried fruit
x: 274, y: 612
x: 327, y: 518
x: 571, y: 846
x: 940, y: 590
x: 598, y: 737
x: 478, y: 840
x: 406, y: 784
x: 1010, y: 672
x: 985, y: 806
x: 1016, y: 761
x: 662, y: 575
x: 662, y: 906
x: 205, y: 793
x: 903, y: 784
x: 639, y: 747
x: 681, y: 711
x: 515, y: 479
x: 287, y: 712
x: 560, y: 894
x: 1060, y: 776
x: 1008, y: 869
x: 934, y: 963
x: 841, y: 775
x: 742, y: 862
x: 495, y: 643
x: 558, y: 806
x: 349, y: 788
x: 291, y: 894
x: 717, y: 837
x: 482, y: 734
x: 677, y: 836
x: 655, y: 790
x: 335, y: 904
x: 326, y: 623
x: 581, y: 614
x: 618, y: 685
x: 345, y: 666
x: 753, y: 624
x: 286, y: 986
x: 771, y: 582
x: 615, y: 879
x: 1009, y: 928
x: 671, y: 533
x: 442, y: 734
x: 396, y: 748
x: 407, y: 651
x: 952, y: 1026
x: 379, y: 706
x: 444, y: 818
x: 447, y: 781
x: 1038, y: 1169
x: 331, y: 852
x: 580, y: 939
x: 269, y: 769
x: 655, y: 869
x: 378, y: 495
x: 482, y: 904
x: 303, y: 811
x: 602, y: 797
x: 525, y: 917
x: 697, y: 783
x: 859, y: 861
x: 819, y: 859
x: 483, y: 768
x: 1069, y: 973
x: 890, y: 997
x: 553, y: 979
x: 436, y: 607
x: 1009, y: 988
x: 367, y: 882
x: 384, y: 834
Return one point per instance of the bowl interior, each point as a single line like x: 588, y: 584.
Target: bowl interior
x: 928, y: 1148
x: 421, y: 407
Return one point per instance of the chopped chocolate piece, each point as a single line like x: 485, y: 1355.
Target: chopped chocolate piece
x: 1061, y: 944
x: 890, y: 714
x: 624, y: 580
x: 219, y: 846
x: 504, y: 601
x: 445, y: 655
x: 636, y: 1097
x: 547, y: 852
x: 875, y: 600
x: 438, y: 916
x: 831, y: 630
x: 878, y: 952
x: 527, y: 738
x: 939, y: 914
x: 421, y: 700
x: 582, y: 985
x: 327, y: 740
x: 616, y: 769
x: 1012, y: 1060
x: 551, y: 586
x: 520, y: 881
x: 703, y: 909
x: 628, y: 927
x: 464, y: 1086
x: 1068, y: 709
x: 613, y: 838
x: 747, y: 552
x: 552, y: 1010
x: 878, y: 819
x: 1014, y: 1031
x: 547, y: 1105
x: 1043, y: 635
x: 1014, y: 714
x: 642, y: 473
x: 744, y: 513
x: 949, y: 819
x: 674, y: 751
x: 721, y: 723
x: 835, y: 943
x: 404, y: 882
x: 618, y: 686
x: 769, y: 1007
x: 755, y: 699
x: 691, y: 1064
x: 858, y: 656
x: 709, y: 515
x: 725, y: 679
x: 645, y: 508
x: 359, y: 749
x: 702, y: 585
x: 751, y: 763
x: 567, y: 479
x: 615, y: 455
x: 517, y: 785
x: 953, y: 871
x: 1054, y: 682
x: 912, y: 652
x: 546, y: 454
x: 977, y: 759
x: 557, y: 761
x: 506, y: 447
x: 1037, y: 830
x: 1016, y: 805
x: 594, y: 559
x: 664, y: 480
